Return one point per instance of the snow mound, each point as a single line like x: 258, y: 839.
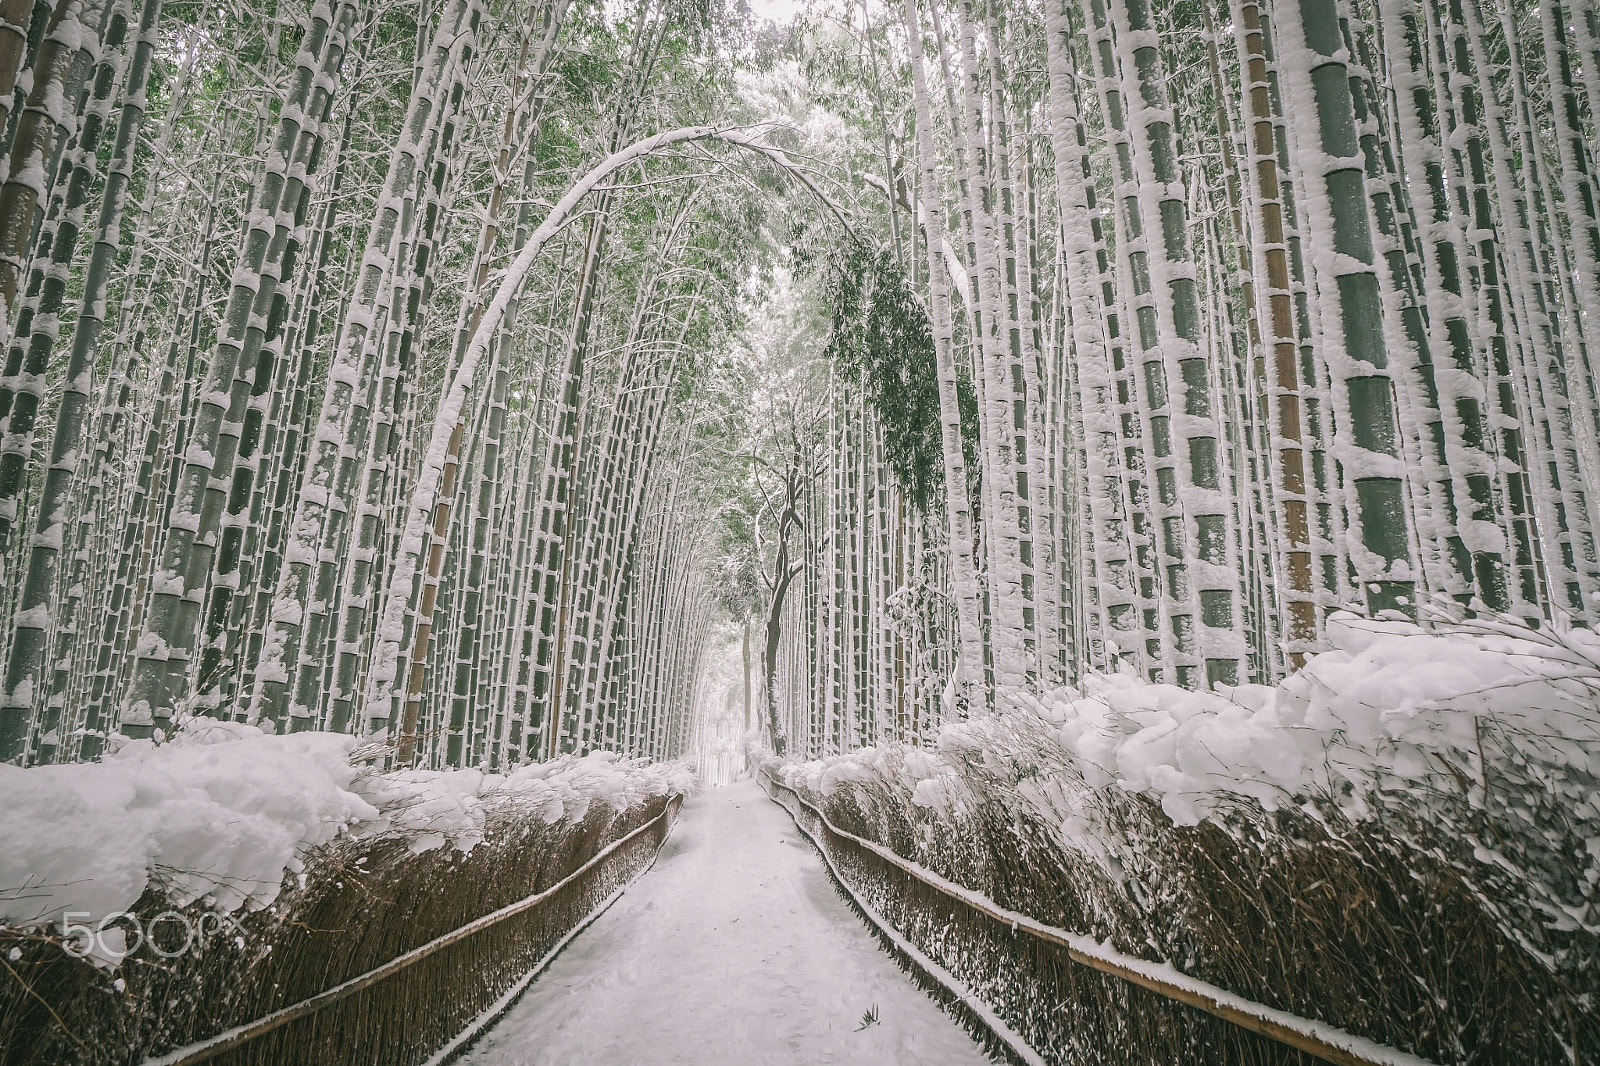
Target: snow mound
x: 222, y: 811
x: 439, y: 807
x: 1390, y: 705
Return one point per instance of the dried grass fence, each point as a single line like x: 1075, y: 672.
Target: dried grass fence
x: 1067, y: 998
x: 359, y: 905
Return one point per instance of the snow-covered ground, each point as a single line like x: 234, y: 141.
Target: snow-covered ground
x: 734, y: 949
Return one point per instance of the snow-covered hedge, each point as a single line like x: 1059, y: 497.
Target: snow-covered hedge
x: 1402, y: 839
x: 222, y: 812
x: 324, y: 869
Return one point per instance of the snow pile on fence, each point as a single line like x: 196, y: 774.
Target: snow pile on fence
x: 1391, y: 706
x: 438, y: 807
x: 222, y: 811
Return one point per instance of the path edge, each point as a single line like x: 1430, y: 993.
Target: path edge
x: 944, y: 988
x: 464, y: 1041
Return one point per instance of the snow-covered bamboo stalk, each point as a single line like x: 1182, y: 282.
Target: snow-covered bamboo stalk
x: 1197, y: 538
x: 1562, y: 510
x: 22, y: 200
x: 1297, y: 461
x: 161, y: 674
x: 968, y: 673
x: 37, y: 616
x: 1441, y: 324
x: 1317, y: 87
x: 1009, y: 577
x: 341, y: 422
x: 1085, y: 260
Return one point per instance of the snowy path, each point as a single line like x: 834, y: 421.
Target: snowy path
x: 735, y: 949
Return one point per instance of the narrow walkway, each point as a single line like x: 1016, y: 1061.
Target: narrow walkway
x: 735, y: 949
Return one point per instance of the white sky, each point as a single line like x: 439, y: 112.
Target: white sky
x: 780, y: 11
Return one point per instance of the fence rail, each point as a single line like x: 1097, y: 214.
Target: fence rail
x: 1324, y: 1041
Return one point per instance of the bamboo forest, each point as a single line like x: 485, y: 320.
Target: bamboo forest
x: 1129, y: 465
